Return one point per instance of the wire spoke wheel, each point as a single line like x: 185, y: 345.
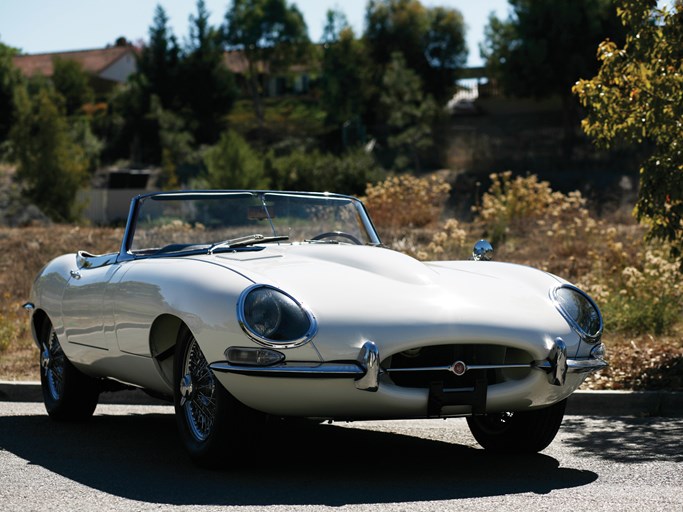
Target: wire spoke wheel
x: 53, y: 362
x: 69, y: 394
x: 198, y: 393
x: 209, y: 418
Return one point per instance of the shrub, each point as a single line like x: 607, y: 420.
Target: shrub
x: 51, y: 165
x: 646, y: 297
x: 513, y: 206
x: 406, y: 201
x: 449, y: 243
x: 637, y: 287
x: 315, y: 171
x: 233, y: 164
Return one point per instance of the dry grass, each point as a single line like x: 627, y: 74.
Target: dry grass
x: 24, y: 252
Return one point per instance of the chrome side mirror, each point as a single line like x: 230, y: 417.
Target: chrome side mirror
x: 483, y: 251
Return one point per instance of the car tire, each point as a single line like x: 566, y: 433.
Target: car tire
x: 518, y: 432
x: 211, y: 422
x: 68, y: 394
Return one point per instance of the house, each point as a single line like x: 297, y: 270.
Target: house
x: 106, y: 67
x: 113, y: 65
x: 295, y: 80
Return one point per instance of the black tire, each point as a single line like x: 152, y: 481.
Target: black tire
x: 518, y: 432
x: 68, y: 394
x: 211, y: 422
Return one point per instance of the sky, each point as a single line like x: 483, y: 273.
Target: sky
x: 41, y: 26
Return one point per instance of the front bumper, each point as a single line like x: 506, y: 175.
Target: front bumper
x: 366, y: 369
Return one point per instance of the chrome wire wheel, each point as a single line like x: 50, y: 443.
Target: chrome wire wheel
x: 69, y: 394
x: 198, y: 392
x: 53, y: 363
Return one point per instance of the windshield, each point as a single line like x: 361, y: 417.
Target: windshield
x: 175, y: 222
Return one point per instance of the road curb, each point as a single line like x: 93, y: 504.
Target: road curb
x: 626, y: 403
x: 583, y: 403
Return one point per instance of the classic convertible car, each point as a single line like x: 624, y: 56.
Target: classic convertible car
x: 244, y: 307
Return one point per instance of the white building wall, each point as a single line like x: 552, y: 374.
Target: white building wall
x: 120, y: 70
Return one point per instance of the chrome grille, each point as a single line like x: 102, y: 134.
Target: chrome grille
x: 442, y: 364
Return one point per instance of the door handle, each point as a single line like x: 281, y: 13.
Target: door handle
x: 75, y: 274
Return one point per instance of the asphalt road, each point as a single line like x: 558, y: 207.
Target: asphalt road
x: 128, y: 457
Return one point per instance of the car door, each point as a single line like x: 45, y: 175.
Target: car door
x: 88, y: 316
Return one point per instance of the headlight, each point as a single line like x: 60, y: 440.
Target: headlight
x: 272, y: 317
x: 579, y: 310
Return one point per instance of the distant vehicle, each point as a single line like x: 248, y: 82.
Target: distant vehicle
x: 240, y: 306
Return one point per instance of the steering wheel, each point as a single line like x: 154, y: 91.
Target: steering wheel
x: 339, y: 234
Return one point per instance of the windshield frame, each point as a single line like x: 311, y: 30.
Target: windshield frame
x: 126, y: 253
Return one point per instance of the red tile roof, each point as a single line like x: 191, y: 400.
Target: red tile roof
x: 93, y: 61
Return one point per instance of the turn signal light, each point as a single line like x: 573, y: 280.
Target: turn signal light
x: 253, y: 356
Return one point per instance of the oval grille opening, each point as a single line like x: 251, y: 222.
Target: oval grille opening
x: 442, y: 357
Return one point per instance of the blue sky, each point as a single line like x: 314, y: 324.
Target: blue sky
x: 36, y: 26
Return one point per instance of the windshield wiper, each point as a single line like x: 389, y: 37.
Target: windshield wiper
x: 245, y: 241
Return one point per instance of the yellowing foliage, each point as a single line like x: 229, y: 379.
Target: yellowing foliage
x: 406, y: 201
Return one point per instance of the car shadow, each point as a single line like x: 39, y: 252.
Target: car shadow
x: 140, y: 457
x: 626, y: 439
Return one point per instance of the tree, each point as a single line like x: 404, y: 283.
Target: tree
x: 181, y: 95
x: 159, y: 60
x: 348, y: 173
x: 208, y: 87
x: 344, y: 81
x: 10, y: 78
x: 73, y: 84
x: 637, y: 97
x: 232, y: 164
x: 271, y: 34
x: 409, y: 113
x: 335, y: 23
x: 431, y: 40
x: 133, y: 128
x: 544, y: 46
x: 51, y: 166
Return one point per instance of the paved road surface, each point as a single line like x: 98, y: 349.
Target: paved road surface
x: 129, y: 458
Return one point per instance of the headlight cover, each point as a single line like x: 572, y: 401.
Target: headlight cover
x: 579, y: 310
x: 274, y: 318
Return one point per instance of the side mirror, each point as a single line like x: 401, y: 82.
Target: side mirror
x: 483, y: 251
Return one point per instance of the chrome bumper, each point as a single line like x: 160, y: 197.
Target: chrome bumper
x: 366, y: 370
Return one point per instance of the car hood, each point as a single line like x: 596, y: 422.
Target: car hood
x: 360, y: 292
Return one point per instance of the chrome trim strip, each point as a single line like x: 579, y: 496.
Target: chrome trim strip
x: 585, y: 365
x: 296, y: 370
x: 308, y: 336
x: 125, y: 253
x: 469, y: 367
x: 590, y: 338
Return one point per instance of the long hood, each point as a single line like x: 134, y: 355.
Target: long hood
x: 362, y: 292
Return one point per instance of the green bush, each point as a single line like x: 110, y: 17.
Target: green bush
x: 233, y: 164
x: 51, y: 165
x: 316, y: 171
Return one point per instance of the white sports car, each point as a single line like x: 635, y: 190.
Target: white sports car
x: 244, y: 306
